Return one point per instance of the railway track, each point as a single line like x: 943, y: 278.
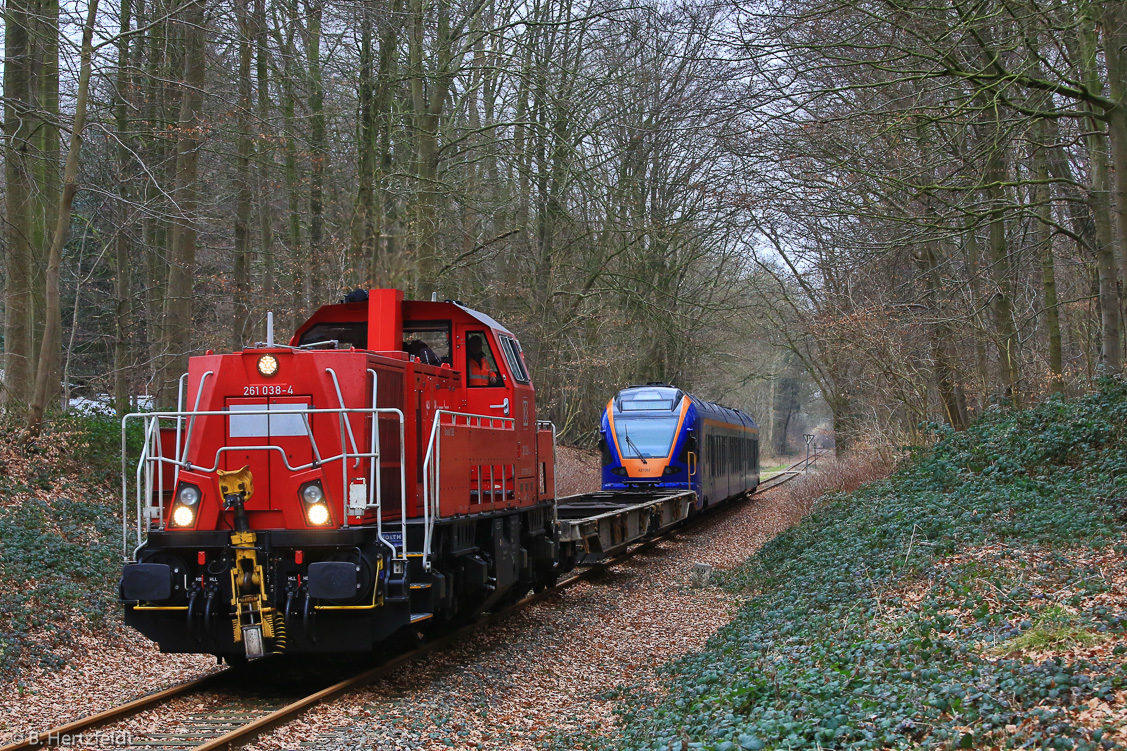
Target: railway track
x: 234, y: 719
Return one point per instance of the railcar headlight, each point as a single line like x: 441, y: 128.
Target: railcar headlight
x: 671, y: 470
x: 313, y: 493
x: 268, y: 365
x: 183, y: 516
x: 189, y: 495
x: 318, y: 514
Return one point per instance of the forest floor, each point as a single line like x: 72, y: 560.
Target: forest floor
x: 976, y: 599
x: 64, y: 650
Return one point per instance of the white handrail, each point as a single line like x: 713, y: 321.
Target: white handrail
x: 192, y: 420
x: 152, y: 459
x: 340, y: 401
x: 432, y: 464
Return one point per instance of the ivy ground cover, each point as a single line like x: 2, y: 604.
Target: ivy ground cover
x: 975, y: 599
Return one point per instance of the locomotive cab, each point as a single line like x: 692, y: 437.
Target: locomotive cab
x: 382, y: 468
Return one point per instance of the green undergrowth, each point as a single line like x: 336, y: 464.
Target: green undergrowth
x: 965, y: 602
x: 60, y: 538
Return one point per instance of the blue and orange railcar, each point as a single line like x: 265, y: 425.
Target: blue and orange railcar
x: 659, y: 437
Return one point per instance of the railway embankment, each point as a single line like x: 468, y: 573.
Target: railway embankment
x: 975, y: 599
x: 64, y: 651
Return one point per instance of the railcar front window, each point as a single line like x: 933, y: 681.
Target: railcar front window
x: 645, y: 438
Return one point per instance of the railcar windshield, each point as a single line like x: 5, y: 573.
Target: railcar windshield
x: 645, y: 437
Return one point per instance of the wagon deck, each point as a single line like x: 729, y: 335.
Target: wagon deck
x: 606, y: 522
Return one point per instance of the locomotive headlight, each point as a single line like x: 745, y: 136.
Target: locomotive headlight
x: 183, y: 516
x: 313, y: 493
x: 318, y: 514
x: 268, y: 365
x: 189, y: 495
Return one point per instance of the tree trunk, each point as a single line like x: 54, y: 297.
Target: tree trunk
x: 978, y: 301
x: 19, y: 124
x: 178, y: 303
x: 240, y: 270
x: 384, y: 253
x: 157, y: 108
x: 47, y: 169
x: 46, y: 372
x: 1043, y: 198
x: 265, y: 216
x: 1114, y: 29
x: 300, y: 301
x: 362, y: 240
x: 947, y: 379
x: 1002, y: 276
x: 122, y: 279
x: 1111, y: 347
x: 31, y: 109
x: 317, y: 145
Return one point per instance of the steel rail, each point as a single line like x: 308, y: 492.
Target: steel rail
x: 245, y: 733
x: 77, y: 727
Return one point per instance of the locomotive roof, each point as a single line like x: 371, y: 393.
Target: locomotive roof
x: 487, y: 320
x: 387, y: 310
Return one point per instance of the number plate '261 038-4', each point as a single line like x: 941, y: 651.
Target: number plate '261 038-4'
x: 270, y: 389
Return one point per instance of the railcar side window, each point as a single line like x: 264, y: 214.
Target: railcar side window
x: 481, y: 367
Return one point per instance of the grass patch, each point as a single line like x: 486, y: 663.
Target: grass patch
x: 917, y: 611
x: 1055, y: 630
x: 774, y: 469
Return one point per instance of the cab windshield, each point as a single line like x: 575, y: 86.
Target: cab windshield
x: 645, y: 437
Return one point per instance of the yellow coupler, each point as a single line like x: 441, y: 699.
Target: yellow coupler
x: 253, y: 621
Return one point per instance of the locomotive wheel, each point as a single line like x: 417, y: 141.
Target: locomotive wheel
x: 516, y: 594
x: 545, y: 582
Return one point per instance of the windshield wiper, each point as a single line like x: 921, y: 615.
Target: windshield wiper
x: 638, y: 451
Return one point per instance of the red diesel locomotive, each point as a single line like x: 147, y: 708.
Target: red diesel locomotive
x: 383, y: 471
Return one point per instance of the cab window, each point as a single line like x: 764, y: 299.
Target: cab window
x: 481, y: 366
x: 512, y: 356
x: 428, y: 342
x: 344, y: 334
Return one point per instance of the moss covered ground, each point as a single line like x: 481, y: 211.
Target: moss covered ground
x: 974, y: 599
x: 60, y: 537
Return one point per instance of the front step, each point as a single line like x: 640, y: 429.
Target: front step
x: 417, y: 617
